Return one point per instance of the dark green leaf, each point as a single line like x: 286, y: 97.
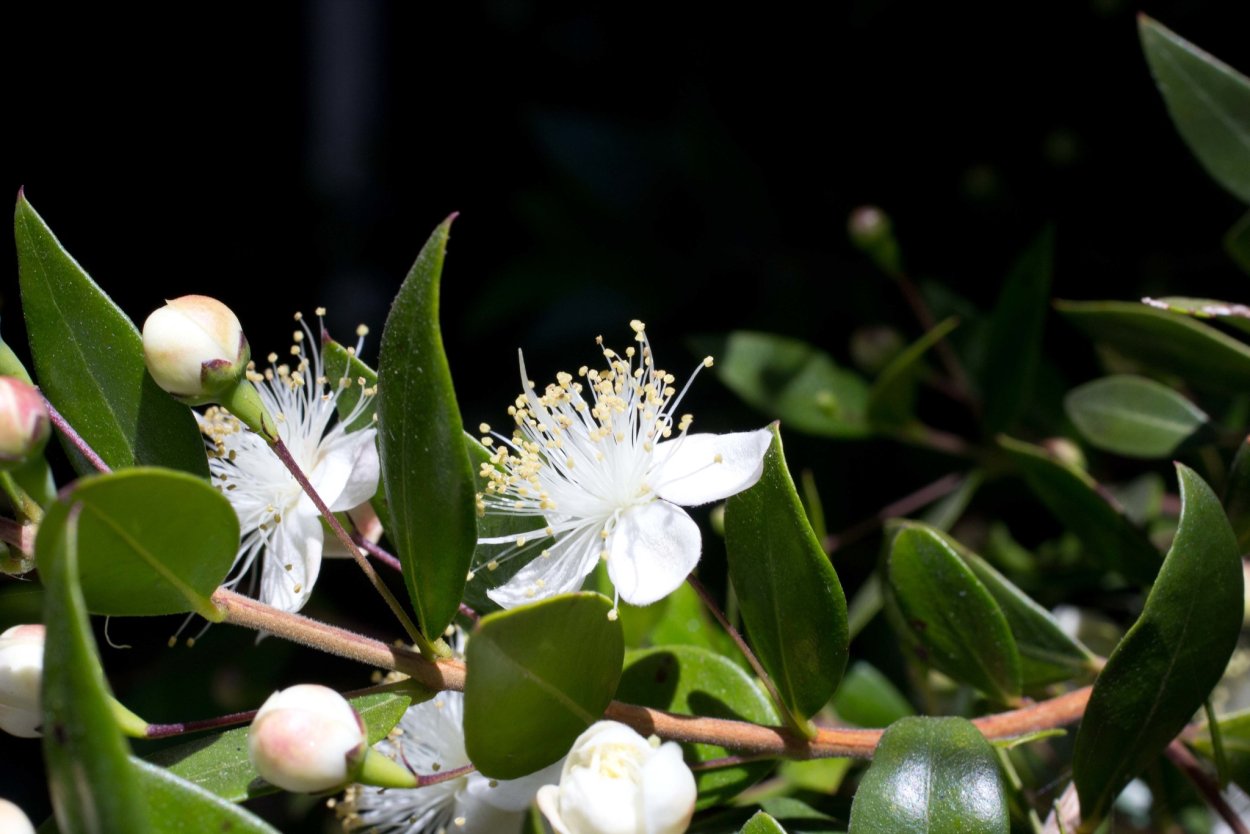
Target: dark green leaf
x: 345, y: 370
x: 1073, y: 497
x: 154, y: 541
x: 1168, y: 662
x: 1237, y: 495
x: 691, y: 681
x: 1133, y: 416
x: 538, y: 676
x: 492, y: 525
x: 1227, y: 312
x: 1237, y: 242
x: 932, y: 776
x: 93, y: 786
x: 867, y: 698
x: 425, y: 467
x: 791, y: 600
x: 892, y: 398
x: 1235, y: 732
x: 179, y: 807
x: 1208, y: 100
x: 762, y: 823
x: 89, y: 360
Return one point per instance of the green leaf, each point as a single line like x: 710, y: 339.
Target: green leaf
x: 1208, y: 100
x: 425, y: 467
x: 1014, y: 342
x: 892, y: 398
x: 220, y: 764
x: 1227, y: 312
x: 1235, y: 732
x: 93, y: 786
x: 154, y: 541
x: 1165, y: 341
x: 178, y: 806
x: 867, y: 698
x: 89, y: 360
x: 689, y: 680
x: 793, y: 381
x: 1073, y: 497
x: 791, y: 600
x: 1237, y: 242
x: 1237, y: 495
x: 345, y: 370
x: 1133, y: 416
x: 538, y: 676
x: 1168, y: 662
x: 931, y: 776
x: 948, y: 617
x: 762, y: 823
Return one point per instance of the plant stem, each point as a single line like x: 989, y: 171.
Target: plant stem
x: 25, y: 506
x: 906, y: 505
x: 444, y: 776
x: 21, y: 536
x: 1179, y: 755
x: 388, y: 559
x: 75, y: 439
x: 954, y: 369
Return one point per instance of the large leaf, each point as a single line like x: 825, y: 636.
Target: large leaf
x: 89, y: 360
x: 1168, y: 662
x: 154, y: 541
x: 892, y: 398
x: 791, y: 600
x: 538, y: 676
x: 1235, y: 734
x: 1226, y: 312
x: 93, y: 785
x: 931, y: 776
x: 425, y: 467
x: 1208, y: 100
x: 691, y: 681
x: 179, y: 807
x: 1133, y: 416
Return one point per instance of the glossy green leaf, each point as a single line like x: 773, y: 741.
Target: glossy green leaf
x: 1165, y: 341
x: 1235, y: 733
x: 89, y: 361
x: 154, y: 541
x: 1073, y: 497
x: 1237, y: 242
x: 868, y: 698
x: 932, y: 776
x: 793, y: 381
x: 179, y: 807
x: 892, y: 398
x: 949, y: 619
x: 428, y: 481
x: 692, y: 681
x: 538, y: 676
x: 92, y: 784
x: 1208, y: 100
x: 1168, y: 662
x: 762, y: 823
x: 1133, y: 416
x: 220, y: 765
x: 791, y: 600
x: 1227, y: 312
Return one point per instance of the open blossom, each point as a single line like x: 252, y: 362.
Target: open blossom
x: 281, y: 526
x: 604, y: 467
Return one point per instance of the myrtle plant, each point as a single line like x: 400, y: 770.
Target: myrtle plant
x: 613, y: 622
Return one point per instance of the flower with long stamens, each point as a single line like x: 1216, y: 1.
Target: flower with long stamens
x: 281, y: 526
x: 603, y: 464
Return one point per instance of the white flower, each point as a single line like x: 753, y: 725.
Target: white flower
x: 617, y: 782
x: 21, y: 675
x: 430, y: 739
x: 599, y: 468
x: 307, y: 739
x: 277, y: 518
x: 13, y: 820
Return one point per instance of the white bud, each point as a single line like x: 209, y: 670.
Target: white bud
x: 24, y: 422
x: 194, y: 348
x: 13, y: 820
x: 21, y: 673
x: 307, y: 739
x: 617, y: 782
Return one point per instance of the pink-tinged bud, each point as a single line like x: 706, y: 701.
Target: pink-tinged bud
x: 24, y: 422
x: 13, y: 820
x: 21, y: 673
x: 307, y: 739
x: 195, y: 349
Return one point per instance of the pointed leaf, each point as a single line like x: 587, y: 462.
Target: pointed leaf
x: 791, y: 600
x: 538, y: 676
x: 1133, y: 416
x: 89, y: 361
x: 425, y: 467
x: 932, y: 776
x: 762, y: 823
x: 1227, y: 312
x: 892, y: 398
x: 1168, y: 662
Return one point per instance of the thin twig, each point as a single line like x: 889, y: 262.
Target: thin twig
x: 906, y: 505
x: 444, y: 776
x: 954, y: 369
x: 378, y: 553
x: 76, y: 439
x: 1179, y: 755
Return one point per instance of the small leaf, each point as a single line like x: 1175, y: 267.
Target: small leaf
x: 892, y: 398
x: 154, y: 541
x: 691, y: 681
x: 791, y: 600
x: 1208, y: 100
x: 93, y: 786
x: 425, y: 467
x: 538, y: 676
x: 762, y: 823
x: 867, y: 698
x: 1168, y: 662
x: 1235, y: 732
x: 1133, y: 416
x: 1227, y: 312
x: 89, y: 360
x: 931, y: 776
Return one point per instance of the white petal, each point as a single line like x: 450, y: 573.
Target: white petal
x: 654, y: 548
x: 701, y: 468
x: 567, y: 563
x: 297, y: 543
x: 361, y: 451
x: 549, y: 803
x: 513, y: 794
x: 668, y: 791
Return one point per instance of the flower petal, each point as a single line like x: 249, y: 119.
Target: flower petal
x: 701, y: 468
x: 360, y: 450
x: 512, y: 794
x: 292, y: 562
x: 668, y: 791
x: 566, y: 564
x: 548, y: 799
x: 654, y: 547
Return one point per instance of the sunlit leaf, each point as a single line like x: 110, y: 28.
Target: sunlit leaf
x: 762, y: 823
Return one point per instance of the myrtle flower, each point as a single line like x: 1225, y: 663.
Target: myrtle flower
x: 604, y: 468
x: 428, y: 739
x: 281, y: 527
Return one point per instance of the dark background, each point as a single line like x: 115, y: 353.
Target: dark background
x: 692, y: 167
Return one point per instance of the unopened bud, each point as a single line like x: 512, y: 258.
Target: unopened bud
x: 24, y: 422
x: 13, y: 820
x: 21, y: 673
x: 873, y: 347
x: 872, y: 232
x: 307, y: 739
x: 1063, y: 449
x: 195, y: 349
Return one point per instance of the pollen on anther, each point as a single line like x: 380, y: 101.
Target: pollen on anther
x: 320, y: 311
x: 707, y: 362
x: 362, y: 330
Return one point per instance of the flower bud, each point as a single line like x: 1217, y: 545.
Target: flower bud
x: 617, y: 782
x: 24, y: 422
x: 307, y: 739
x: 21, y: 672
x: 13, y: 820
x: 195, y: 349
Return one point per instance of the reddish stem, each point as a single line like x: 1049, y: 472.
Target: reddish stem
x: 75, y: 439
